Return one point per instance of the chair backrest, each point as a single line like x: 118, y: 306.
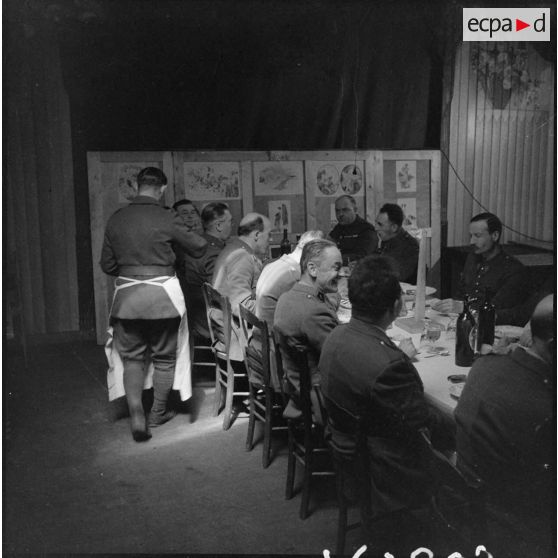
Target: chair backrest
x: 219, y: 314
x: 346, y: 430
x: 256, y: 352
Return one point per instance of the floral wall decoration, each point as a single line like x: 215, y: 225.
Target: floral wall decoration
x: 508, y: 75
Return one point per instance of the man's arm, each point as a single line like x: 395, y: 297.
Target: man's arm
x: 191, y: 242
x: 108, y: 261
x: 318, y: 325
x: 240, y: 277
x: 369, y: 240
x: 513, y: 288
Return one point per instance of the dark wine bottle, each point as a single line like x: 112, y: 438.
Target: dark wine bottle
x: 285, y: 246
x: 463, y: 351
x: 487, y: 318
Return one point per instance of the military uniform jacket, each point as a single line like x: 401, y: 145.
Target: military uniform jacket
x: 236, y: 273
x: 198, y: 271
x: 503, y: 415
x: 276, y: 278
x: 404, y: 250
x: 356, y: 240
x: 503, y: 275
x: 138, y: 244
x: 303, y: 319
x: 364, y: 372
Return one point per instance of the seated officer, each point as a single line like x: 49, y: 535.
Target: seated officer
x: 488, y: 268
x: 354, y: 236
x: 397, y: 243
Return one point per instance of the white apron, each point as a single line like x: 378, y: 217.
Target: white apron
x: 183, y: 370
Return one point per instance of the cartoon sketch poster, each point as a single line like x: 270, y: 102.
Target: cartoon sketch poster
x: 405, y: 176
x: 278, y: 178
x: 280, y: 215
x: 211, y: 181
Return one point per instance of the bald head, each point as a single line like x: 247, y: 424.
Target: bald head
x: 254, y: 229
x: 542, y: 320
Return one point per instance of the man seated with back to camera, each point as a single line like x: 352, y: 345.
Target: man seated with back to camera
x: 396, y: 242
x: 364, y: 372
x: 488, y: 269
x: 506, y: 435
x: 237, y: 270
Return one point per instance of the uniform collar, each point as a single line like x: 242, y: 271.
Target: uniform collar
x: 310, y: 290
x: 365, y: 323
x: 145, y: 200
x: 534, y: 363
x: 213, y: 240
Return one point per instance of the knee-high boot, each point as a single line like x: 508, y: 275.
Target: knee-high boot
x: 163, y: 378
x: 134, y: 378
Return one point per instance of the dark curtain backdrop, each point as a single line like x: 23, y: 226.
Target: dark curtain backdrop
x: 255, y: 74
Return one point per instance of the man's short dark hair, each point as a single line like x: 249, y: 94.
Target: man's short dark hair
x: 394, y: 213
x: 347, y: 197
x: 151, y: 176
x: 256, y: 224
x: 177, y: 204
x: 313, y: 250
x: 374, y: 286
x: 492, y: 222
x: 213, y: 211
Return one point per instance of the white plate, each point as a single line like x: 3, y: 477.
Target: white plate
x: 409, y: 289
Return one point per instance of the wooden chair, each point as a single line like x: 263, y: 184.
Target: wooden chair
x: 306, y: 439
x: 266, y: 405
x: 350, y: 459
x: 201, y: 347
x: 219, y: 318
x: 465, y: 515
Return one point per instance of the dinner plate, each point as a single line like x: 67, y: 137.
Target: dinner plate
x: 409, y: 289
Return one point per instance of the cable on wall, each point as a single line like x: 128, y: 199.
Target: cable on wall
x: 481, y: 205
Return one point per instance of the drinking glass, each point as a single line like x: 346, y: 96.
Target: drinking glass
x: 433, y: 332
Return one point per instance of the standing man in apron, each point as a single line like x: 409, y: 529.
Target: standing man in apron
x: 148, y: 304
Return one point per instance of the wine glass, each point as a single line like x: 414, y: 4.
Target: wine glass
x: 433, y: 333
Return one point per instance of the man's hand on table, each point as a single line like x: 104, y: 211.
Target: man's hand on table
x: 448, y: 306
x: 408, y: 347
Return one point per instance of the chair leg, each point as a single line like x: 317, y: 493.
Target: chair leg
x: 217, y: 402
x: 306, y: 483
x: 341, y: 518
x: 251, y: 420
x: 228, y: 415
x: 291, y: 462
x: 266, y: 457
